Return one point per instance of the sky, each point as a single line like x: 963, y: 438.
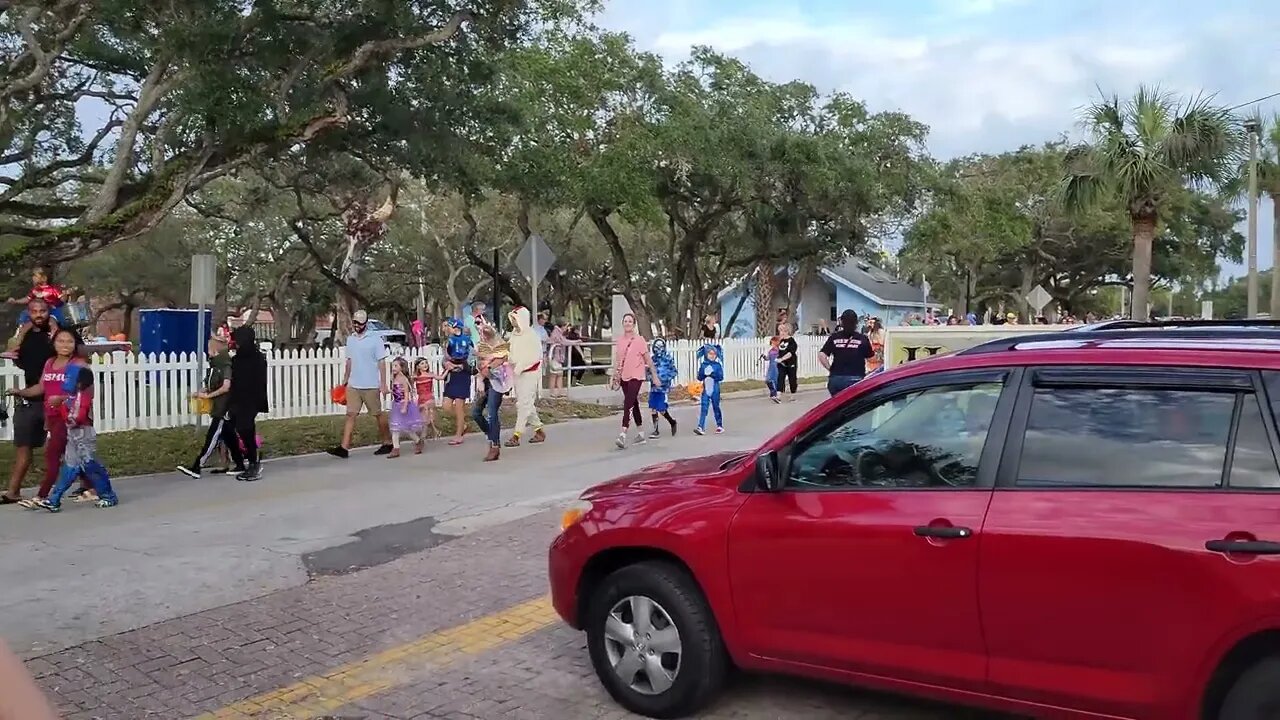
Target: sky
x: 985, y: 75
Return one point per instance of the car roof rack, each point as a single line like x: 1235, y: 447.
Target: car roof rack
x: 1187, y: 323
x: 1189, y: 335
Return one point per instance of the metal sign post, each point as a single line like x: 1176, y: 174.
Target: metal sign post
x: 204, y: 291
x: 534, y: 260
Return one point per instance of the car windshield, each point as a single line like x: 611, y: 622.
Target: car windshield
x: 376, y: 325
x: 944, y: 426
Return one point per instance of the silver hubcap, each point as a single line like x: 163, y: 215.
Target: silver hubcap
x: 643, y: 645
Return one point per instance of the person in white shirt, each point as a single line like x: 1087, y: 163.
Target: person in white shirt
x: 365, y: 377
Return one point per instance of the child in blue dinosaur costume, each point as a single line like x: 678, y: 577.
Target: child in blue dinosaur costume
x: 660, y: 386
x: 711, y: 373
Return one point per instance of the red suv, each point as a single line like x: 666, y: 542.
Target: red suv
x: 1067, y: 526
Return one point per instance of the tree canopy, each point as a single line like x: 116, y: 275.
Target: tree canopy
x: 337, y: 155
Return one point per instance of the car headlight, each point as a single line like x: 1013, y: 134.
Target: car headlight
x: 574, y: 514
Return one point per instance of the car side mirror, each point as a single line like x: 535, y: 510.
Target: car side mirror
x: 768, y: 477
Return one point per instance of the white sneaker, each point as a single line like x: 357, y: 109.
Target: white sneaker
x: 621, y: 442
x: 640, y: 438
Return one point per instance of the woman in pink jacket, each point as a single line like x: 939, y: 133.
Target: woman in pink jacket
x: 630, y: 361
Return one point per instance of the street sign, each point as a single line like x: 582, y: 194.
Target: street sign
x: 1039, y: 298
x: 535, y: 259
x: 204, y: 279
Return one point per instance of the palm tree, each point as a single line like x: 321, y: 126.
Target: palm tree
x: 1143, y: 150
x: 1269, y: 185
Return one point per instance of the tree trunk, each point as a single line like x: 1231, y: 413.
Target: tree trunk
x: 283, y: 318
x: 1028, y: 282
x: 799, y: 282
x: 726, y: 326
x: 622, y: 270
x: 1144, y: 235
x: 1275, y: 256
x: 766, y: 317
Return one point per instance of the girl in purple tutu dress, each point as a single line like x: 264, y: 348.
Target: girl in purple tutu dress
x: 406, y: 418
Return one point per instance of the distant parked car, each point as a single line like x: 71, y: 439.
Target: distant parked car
x: 395, y: 339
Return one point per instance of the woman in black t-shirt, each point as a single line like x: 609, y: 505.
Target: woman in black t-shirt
x: 788, y: 363
x: 709, y: 328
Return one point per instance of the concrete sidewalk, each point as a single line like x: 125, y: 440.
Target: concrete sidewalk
x: 177, y: 546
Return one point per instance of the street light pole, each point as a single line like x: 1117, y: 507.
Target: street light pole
x: 1251, y: 127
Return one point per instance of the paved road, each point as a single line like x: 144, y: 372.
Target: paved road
x: 369, y: 589
x: 176, y: 546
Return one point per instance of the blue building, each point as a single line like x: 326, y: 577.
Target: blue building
x: 854, y: 285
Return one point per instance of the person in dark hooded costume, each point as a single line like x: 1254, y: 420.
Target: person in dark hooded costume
x: 248, y: 396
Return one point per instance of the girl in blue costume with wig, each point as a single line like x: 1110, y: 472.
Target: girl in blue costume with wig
x: 457, y: 368
x: 660, y: 386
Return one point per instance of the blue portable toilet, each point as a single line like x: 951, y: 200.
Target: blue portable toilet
x: 172, y: 331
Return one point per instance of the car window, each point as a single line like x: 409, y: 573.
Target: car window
x: 375, y: 325
x: 1126, y: 437
x: 1253, y: 464
x: 926, y: 439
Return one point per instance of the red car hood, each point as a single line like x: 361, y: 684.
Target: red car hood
x: 667, y: 473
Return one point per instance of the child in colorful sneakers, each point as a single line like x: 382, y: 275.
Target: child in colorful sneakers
x: 711, y: 373
x: 81, y: 455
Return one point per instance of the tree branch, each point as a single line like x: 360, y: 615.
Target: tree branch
x: 381, y: 49
x: 153, y: 90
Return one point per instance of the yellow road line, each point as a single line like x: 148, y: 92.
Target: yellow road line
x: 323, y: 694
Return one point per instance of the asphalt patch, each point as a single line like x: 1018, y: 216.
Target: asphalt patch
x: 375, y: 546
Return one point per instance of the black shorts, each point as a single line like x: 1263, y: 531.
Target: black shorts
x: 28, y: 425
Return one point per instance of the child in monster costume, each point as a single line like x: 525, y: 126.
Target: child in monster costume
x: 660, y: 386
x: 711, y: 373
x: 526, y: 362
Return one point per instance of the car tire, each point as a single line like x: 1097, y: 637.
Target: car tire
x: 695, y: 673
x: 1255, y: 694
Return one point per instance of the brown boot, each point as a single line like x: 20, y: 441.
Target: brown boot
x: 538, y: 436
x: 494, y: 452
x: 513, y: 441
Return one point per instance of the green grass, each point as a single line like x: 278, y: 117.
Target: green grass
x: 140, y: 452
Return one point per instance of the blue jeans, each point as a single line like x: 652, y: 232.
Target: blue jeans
x: 837, y: 383
x: 712, y: 402
x: 485, y: 413
x: 99, y: 480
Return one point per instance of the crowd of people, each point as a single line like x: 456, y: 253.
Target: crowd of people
x: 53, y: 409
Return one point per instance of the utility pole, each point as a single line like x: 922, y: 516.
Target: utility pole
x: 1251, y: 126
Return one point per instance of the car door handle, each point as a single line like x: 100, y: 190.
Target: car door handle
x: 1248, y: 547
x: 943, y: 531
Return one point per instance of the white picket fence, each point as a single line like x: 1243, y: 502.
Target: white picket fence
x: 138, y: 392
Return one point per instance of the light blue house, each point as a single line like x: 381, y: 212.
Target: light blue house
x: 855, y: 285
